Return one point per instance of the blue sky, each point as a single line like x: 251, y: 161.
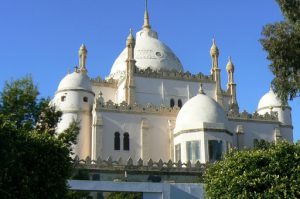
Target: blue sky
x: 42, y: 38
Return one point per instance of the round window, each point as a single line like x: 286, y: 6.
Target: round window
x: 158, y: 54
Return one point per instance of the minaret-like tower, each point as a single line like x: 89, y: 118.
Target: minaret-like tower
x: 231, y: 86
x: 216, y: 72
x: 130, y: 85
x: 74, y: 98
x: 82, y: 59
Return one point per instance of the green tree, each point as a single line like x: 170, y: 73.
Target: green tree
x: 281, y: 40
x: 265, y: 172
x: 34, y: 161
x: 122, y: 195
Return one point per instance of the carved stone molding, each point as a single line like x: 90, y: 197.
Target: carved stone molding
x: 273, y: 117
x: 98, y: 81
x: 140, y: 165
x: 124, y: 107
x: 174, y: 75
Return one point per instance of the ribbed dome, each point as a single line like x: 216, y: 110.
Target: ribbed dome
x: 150, y: 52
x: 270, y: 99
x: 75, y: 80
x: 198, y: 110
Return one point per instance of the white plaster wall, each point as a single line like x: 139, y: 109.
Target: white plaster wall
x: 203, y: 137
x: 284, y: 115
x: 254, y: 130
x: 108, y: 93
x: 75, y: 109
x: 160, y: 91
x: 120, y: 95
x: 287, y: 133
x: 227, y: 102
x: 213, y: 135
x: 158, y: 135
x: 192, y: 136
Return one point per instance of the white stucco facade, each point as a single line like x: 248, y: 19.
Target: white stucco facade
x: 149, y: 108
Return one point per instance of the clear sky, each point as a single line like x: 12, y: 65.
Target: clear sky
x: 42, y: 38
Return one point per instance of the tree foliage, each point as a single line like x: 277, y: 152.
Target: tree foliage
x: 122, y: 195
x: 281, y: 40
x: 266, y: 172
x: 34, y: 161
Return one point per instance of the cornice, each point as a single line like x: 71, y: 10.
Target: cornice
x: 255, y: 117
x: 271, y: 107
x: 205, y: 129
x: 98, y: 81
x: 75, y: 89
x: 173, y: 75
x: 135, y: 109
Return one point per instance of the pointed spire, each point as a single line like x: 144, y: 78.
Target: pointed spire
x: 130, y: 38
x: 230, y: 66
x: 146, y: 17
x: 201, y: 91
x: 82, y: 59
x: 214, y: 51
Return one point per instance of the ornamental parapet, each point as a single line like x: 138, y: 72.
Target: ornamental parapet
x: 174, y: 75
x: 104, y: 82
x: 140, y: 165
x: 136, y: 108
x: 273, y: 116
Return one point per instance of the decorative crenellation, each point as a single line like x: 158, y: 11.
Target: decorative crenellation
x: 140, y: 165
x: 172, y: 74
x: 104, y: 82
x: 273, y: 116
x: 136, y: 108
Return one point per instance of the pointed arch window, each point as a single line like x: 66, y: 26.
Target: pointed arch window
x: 117, y: 141
x: 172, y: 103
x: 179, y: 103
x: 126, y: 141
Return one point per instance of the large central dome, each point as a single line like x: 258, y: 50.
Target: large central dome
x: 149, y: 51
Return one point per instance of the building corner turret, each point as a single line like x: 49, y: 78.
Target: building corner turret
x: 231, y: 87
x: 216, y: 73
x: 130, y: 62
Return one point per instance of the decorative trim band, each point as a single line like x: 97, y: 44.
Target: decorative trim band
x: 271, y: 107
x: 286, y: 126
x: 98, y: 81
x: 75, y: 89
x: 136, y: 109
x: 173, y: 75
x: 204, y: 130
x: 267, y: 117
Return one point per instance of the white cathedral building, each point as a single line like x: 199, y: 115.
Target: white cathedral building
x: 149, y: 107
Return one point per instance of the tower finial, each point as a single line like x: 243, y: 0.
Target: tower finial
x: 82, y: 58
x: 200, y: 91
x: 146, y: 17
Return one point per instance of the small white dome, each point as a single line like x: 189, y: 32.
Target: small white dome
x: 198, y: 110
x: 150, y: 52
x: 75, y: 80
x: 270, y: 99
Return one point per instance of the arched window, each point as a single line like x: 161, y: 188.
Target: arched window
x: 85, y: 99
x: 172, y: 103
x: 126, y: 141
x: 117, y: 141
x: 179, y: 103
